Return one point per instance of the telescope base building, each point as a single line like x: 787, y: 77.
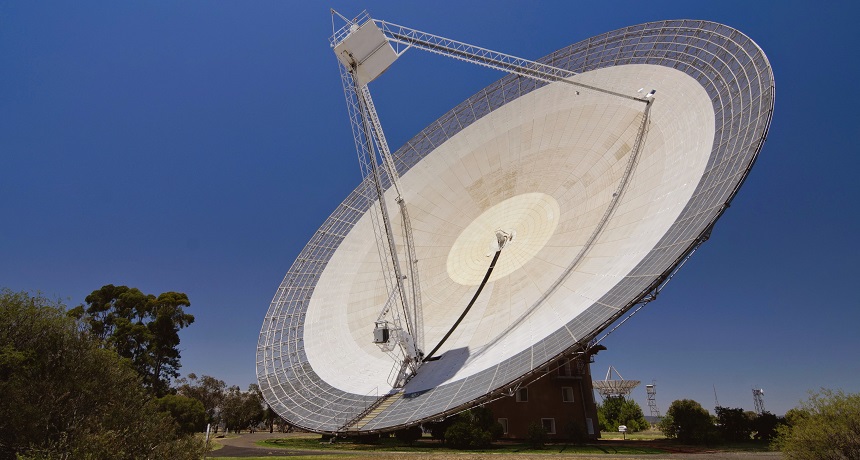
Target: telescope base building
x: 560, y: 398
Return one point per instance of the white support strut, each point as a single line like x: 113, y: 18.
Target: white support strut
x: 403, y: 38
x: 411, y: 38
x: 364, y: 54
x: 415, y: 318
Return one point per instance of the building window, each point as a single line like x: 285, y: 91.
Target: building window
x: 523, y: 395
x: 564, y: 368
x: 548, y: 425
x: 504, y: 423
x: 567, y: 394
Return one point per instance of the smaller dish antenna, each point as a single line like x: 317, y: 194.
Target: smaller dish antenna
x: 614, y: 388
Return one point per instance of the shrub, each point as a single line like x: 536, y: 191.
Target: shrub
x: 576, y: 433
x: 409, y: 435
x: 473, y: 429
x: 463, y: 435
x: 687, y: 421
x: 765, y: 426
x: 618, y: 410
x: 437, y: 429
x: 536, y: 435
x: 734, y: 425
x: 189, y: 413
x: 824, y: 427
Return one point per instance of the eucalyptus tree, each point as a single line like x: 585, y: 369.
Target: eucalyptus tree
x: 64, y: 395
x: 141, y: 327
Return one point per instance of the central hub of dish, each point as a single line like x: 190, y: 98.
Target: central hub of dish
x: 502, y: 239
x: 522, y: 225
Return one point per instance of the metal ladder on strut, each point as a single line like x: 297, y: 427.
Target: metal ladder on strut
x: 370, y: 413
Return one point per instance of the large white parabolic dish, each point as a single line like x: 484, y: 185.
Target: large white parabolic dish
x: 541, y: 161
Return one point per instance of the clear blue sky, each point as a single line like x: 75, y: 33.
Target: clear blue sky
x: 196, y: 146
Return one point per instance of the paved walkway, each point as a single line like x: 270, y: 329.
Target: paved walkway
x: 245, y: 445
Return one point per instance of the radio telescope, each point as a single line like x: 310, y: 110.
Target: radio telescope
x: 515, y: 228
x: 613, y: 388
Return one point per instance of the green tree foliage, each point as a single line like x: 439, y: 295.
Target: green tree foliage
x: 462, y: 435
x: 63, y: 396
x: 141, y: 327
x: 825, y: 426
x: 409, y: 435
x: 617, y: 411
x: 733, y: 424
x: 575, y: 432
x: 272, y: 418
x: 796, y: 415
x: 687, y: 421
x: 438, y: 428
x: 473, y: 429
x: 208, y: 390
x: 187, y: 412
x: 241, y: 410
x: 765, y: 425
x: 536, y: 435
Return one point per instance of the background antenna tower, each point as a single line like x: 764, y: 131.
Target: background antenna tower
x: 758, y: 398
x: 716, y: 400
x: 652, y: 398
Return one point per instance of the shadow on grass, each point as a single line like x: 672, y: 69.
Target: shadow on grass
x: 427, y: 445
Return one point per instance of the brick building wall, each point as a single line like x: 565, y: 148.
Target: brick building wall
x: 560, y: 397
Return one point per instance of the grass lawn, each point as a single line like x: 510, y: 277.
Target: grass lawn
x: 426, y: 445
x: 647, y: 435
x: 642, y: 444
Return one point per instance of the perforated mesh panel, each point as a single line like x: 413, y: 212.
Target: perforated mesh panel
x: 739, y: 81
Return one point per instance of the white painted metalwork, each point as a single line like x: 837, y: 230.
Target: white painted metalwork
x: 363, y: 50
x: 537, y: 154
x: 402, y: 38
x: 369, y: 140
x: 614, y: 388
x: 758, y: 399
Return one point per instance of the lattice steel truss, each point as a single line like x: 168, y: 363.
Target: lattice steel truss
x: 404, y: 306
x: 730, y: 67
x: 758, y: 399
x: 367, y: 132
x: 651, y: 391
